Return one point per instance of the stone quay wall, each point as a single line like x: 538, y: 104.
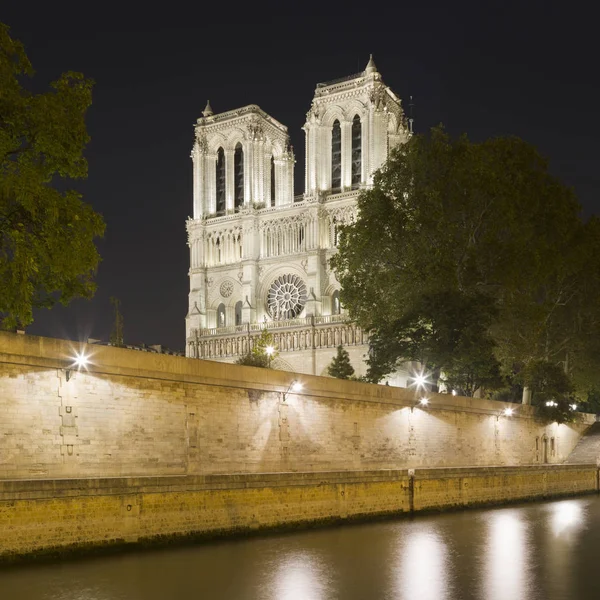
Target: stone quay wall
x: 51, y: 517
x: 132, y: 413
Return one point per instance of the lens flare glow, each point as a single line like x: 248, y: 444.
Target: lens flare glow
x: 420, y: 380
x: 80, y: 360
x: 508, y: 412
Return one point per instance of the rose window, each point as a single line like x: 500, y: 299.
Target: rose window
x: 286, y: 297
x: 226, y: 288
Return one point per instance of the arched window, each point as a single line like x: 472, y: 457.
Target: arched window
x: 336, y: 157
x: 272, y: 181
x: 220, y: 181
x: 221, y: 315
x: 336, y: 308
x: 238, y: 166
x: 356, y: 151
x: 238, y: 313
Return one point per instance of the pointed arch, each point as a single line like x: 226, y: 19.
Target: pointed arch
x: 238, y: 166
x: 272, y: 180
x: 220, y: 180
x: 336, y: 157
x: 356, y: 174
x: 238, y: 312
x: 221, y: 316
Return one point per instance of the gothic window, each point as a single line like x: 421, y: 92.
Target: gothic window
x: 356, y: 151
x: 286, y: 297
x: 335, y: 303
x: 238, y: 167
x: 238, y: 313
x: 272, y: 181
x: 221, y: 315
x: 336, y: 157
x: 220, y: 181
x: 300, y: 237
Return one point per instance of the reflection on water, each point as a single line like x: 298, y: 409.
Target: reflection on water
x: 299, y: 576
x: 545, y: 551
x: 507, y: 556
x: 422, y: 571
x: 567, y: 517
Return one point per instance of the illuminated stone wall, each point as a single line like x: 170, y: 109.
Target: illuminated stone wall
x: 134, y: 414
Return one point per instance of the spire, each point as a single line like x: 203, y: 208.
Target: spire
x: 371, y: 68
x: 208, y: 111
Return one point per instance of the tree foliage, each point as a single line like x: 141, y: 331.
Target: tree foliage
x: 340, y: 366
x: 259, y: 355
x: 47, y: 253
x: 473, y: 260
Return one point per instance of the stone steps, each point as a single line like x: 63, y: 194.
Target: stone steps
x: 588, y: 448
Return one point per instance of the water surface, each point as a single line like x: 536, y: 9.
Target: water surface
x: 543, y: 551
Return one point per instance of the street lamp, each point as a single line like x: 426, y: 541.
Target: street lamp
x: 269, y: 350
x: 80, y: 360
x: 295, y: 387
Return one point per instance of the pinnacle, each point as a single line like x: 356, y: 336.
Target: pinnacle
x: 370, y: 68
x: 208, y: 111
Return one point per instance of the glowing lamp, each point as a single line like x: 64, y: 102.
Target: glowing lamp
x: 296, y: 387
x: 508, y: 412
x: 424, y: 401
x: 80, y: 360
x: 269, y: 350
x: 573, y: 406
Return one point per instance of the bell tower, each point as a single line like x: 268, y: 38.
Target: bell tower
x: 350, y: 128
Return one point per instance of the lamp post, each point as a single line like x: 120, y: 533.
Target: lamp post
x: 269, y: 350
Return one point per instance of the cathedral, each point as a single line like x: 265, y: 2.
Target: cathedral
x: 259, y: 253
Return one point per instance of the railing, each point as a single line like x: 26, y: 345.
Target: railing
x: 291, y: 335
x: 280, y: 324
x: 340, y: 80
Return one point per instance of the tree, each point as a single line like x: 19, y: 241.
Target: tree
x: 340, y: 366
x: 473, y: 260
x: 262, y: 354
x: 116, y: 335
x: 47, y: 251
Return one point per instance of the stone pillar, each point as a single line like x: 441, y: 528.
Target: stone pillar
x: 211, y: 183
x: 346, y: 129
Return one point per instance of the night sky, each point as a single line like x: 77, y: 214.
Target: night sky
x: 523, y: 68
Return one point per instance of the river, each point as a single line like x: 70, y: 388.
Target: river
x: 546, y: 551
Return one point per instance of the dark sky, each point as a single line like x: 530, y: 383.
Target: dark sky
x: 527, y: 68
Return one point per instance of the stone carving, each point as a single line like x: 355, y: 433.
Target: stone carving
x: 226, y: 288
x: 240, y: 276
x: 202, y: 142
x: 256, y: 131
x: 209, y: 282
x: 304, y: 263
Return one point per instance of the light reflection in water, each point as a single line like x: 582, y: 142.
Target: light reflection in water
x: 567, y: 516
x: 423, y: 572
x: 300, y: 576
x: 507, y: 557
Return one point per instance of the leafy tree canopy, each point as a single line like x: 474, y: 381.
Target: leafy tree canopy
x: 263, y: 352
x: 473, y: 260
x: 47, y: 253
x: 340, y: 366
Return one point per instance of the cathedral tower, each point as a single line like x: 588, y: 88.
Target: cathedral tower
x: 260, y: 255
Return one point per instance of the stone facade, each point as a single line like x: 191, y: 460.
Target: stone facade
x: 259, y: 255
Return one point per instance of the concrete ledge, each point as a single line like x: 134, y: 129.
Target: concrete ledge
x: 41, y: 517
